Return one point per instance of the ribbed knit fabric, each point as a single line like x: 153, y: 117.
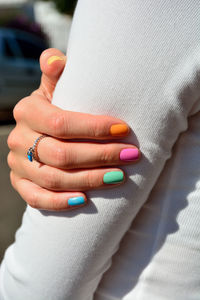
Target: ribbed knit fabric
x: 139, y: 61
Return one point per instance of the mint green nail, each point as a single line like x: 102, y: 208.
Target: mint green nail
x: 113, y: 177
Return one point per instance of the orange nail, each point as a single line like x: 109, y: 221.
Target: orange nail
x: 119, y: 129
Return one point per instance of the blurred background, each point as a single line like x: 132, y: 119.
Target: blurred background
x: 26, y: 29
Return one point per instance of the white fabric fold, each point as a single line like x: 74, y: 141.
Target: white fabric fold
x: 138, y: 61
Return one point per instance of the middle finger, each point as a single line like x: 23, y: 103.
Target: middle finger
x: 72, y: 155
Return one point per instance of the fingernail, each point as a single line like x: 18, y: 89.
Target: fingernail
x: 119, y: 129
x: 113, y: 177
x: 51, y: 59
x: 76, y: 201
x: 129, y: 154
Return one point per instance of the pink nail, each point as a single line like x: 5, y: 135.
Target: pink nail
x: 129, y: 154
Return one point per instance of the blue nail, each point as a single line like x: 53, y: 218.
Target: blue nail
x: 76, y: 201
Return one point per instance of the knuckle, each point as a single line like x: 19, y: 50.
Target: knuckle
x: 63, y: 156
x: 89, y: 180
x: 70, y: 161
x: 19, y: 109
x: 59, y: 155
x: 97, y: 129
x: 12, y: 140
x: 106, y: 155
x: 33, y: 200
x: 58, y: 124
x: 11, y: 160
x: 51, y: 180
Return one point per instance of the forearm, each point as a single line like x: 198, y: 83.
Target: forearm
x: 133, y: 68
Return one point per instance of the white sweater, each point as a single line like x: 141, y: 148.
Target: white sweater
x: 139, y: 61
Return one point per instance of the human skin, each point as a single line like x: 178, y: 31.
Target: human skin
x: 138, y: 61
x: 66, y: 168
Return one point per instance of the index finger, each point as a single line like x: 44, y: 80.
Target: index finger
x: 41, y: 116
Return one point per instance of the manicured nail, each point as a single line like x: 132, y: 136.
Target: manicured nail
x: 76, y: 201
x: 129, y: 154
x: 51, y: 59
x: 113, y: 177
x: 119, y: 129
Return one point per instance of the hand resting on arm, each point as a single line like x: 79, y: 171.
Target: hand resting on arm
x: 67, y: 167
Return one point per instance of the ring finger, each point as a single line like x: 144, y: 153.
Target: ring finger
x: 65, y: 180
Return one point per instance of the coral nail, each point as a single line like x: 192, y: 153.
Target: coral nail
x: 119, y: 129
x: 129, y: 154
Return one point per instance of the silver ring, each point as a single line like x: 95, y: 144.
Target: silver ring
x: 32, y: 151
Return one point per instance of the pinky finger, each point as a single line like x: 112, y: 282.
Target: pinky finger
x: 40, y: 198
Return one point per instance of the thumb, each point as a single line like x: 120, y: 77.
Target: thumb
x: 52, y: 63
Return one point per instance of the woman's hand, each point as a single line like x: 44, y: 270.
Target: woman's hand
x: 66, y: 167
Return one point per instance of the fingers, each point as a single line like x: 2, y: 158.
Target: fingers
x: 67, y: 155
x: 44, y: 199
x: 60, y: 180
x: 52, y: 63
x: 41, y: 116
x: 72, y: 155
